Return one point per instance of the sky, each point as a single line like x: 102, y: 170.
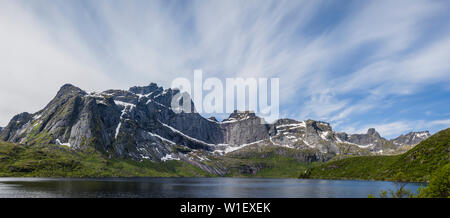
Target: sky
x: 354, y: 64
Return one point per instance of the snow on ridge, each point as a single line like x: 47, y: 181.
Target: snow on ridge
x: 234, y: 120
x: 118, y: 129
x: 228, y: 148
x: 37, y: 116
x: 125, y: 104
x: 235, y: 148
x: 361, y: 146
x: 58, y: 142
x: 296, y: 125
x: 189, y: 137
x: 144, y: 96
x: 365, y: 146
x: 162, y: 138
x: 124, y: 111
x: 212, y: 121
x: 307, y: 143
x: 280, y: 145
x: 168, y: 157
x: 324, y: 135
x: 150, y: 100
x: 94, y: 95
x: 421, y: 134
x: 231, y: 120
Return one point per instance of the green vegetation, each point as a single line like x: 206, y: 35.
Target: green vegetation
x: 439, y: 186
x: 416, y: 165
x: 364, y: 167
x: 61, y: 161
x: 268, y: 162
x: 273, y: 167
x: 428, y: 161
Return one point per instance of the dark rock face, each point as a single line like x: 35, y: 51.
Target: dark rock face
x: 373, y: 132
x: 146, y: 89
x: 138, y: 124
x: 141, y: 124
x: 370, y: 138
x: 213, y: 119
x: 253, y: 169
x: 13, y: 131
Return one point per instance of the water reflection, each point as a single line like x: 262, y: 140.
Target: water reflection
x: 190, y: 188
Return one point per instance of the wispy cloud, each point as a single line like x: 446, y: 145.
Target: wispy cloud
x: 394, y: 129
x: 337, y: 61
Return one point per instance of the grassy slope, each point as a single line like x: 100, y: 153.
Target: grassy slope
x: 273, y: 167
x: 60, y: 161
x: 269, y: 162
x: 415, y: 165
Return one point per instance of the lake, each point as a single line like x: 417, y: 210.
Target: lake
x: 190, y: 188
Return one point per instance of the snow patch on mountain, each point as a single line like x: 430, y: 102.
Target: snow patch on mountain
x: 169, y: 157
x: 58, y: 142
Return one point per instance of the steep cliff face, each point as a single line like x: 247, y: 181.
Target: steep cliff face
x: 140, y: 123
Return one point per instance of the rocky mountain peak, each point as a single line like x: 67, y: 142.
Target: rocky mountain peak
x: 144, y: 90
x: 213, y: 119
x: 240, y: 115
x: 411, y: 138
x: 69, y: 89
x: 319, y: 125
x: 373, y: 132
x: 140, y: 123
x: 7, y: 134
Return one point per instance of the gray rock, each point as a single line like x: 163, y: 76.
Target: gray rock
x: 412, y: 138
x: 140, y: 124
x: 14, y: 130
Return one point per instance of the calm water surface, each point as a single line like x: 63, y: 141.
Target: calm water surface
x: 190, y: 188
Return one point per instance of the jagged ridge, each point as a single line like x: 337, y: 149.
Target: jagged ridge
x: 140, y: 124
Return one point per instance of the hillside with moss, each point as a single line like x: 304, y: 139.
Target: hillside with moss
x: 42, y: 160
x: 270, y: 162
x: 18, y: 160
x: 418, y: 164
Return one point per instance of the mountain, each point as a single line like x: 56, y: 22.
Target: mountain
x: 417, y: 164
x: 140, y: 124
x: 18, y: 160
x: 412, y: 138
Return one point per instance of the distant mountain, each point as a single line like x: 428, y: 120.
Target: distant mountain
x: 412, y: 138
x: 140, y: 124
x: 417, y: 164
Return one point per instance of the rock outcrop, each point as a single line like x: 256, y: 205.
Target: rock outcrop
x: 140, y: 123
x: 412, y: 138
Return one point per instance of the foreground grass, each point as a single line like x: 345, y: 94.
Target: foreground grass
x: 60, y: 161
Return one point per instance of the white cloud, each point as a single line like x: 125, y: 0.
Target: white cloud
x: 33, y: 66
x: 440, y: 123
x: 397, y: 65
x: 396, y: 128
x: 156, y: 41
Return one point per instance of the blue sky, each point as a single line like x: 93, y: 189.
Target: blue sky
x: 355, y: 64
